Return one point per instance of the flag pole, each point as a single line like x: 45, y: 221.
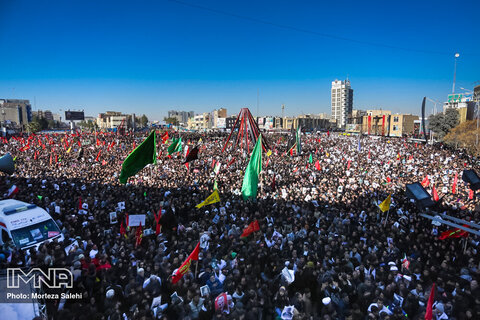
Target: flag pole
x: 385, y: 223
x: 196, y: 267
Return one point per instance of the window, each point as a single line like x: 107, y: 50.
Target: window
x: 395, y: 119
x: 395, y: 127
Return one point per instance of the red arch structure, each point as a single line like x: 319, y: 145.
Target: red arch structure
x: 245, y: 132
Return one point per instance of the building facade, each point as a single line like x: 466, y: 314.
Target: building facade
x: 181, y: 116
x: 199, y: 122
x: 216, y: 115
x: 402, y: 124
x: 341, y: 101
x: 112, y: 120
x: 15, y: 112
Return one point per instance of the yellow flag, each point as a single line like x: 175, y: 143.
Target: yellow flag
x: 200, y: 141
x: 269, y: 153
x: 385, y: 205
x: 213, y: 198
x: 68, y: 151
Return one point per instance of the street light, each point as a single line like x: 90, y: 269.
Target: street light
x: 455, y: 72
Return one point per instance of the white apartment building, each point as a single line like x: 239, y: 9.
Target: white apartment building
x: 342, y: 101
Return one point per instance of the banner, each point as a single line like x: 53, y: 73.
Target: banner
x: 369, y: 124
x: 383, y: 125
x: 136, y: 220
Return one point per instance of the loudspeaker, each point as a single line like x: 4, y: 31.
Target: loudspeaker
x: 471, y: 177
x: 418, y: 193
x: 6, y: 164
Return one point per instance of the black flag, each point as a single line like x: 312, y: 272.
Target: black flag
x: 192, y: 155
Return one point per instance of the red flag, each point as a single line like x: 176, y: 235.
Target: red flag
x: 435, y: 194
x: 138, y: 235
x: 165, y: 137
x: 213, y: 163
x: 56, y: 158
x: 470, y: 194
x: 252, y: 227
x: 35, y: 155
x: 134, y: 144
x: 50, y: 159
x: 429, y: 312
x: 104, y: 162
x: 157, y: 220
x: 454, y: 186
x: 389, y: 180
x: 328, y: 133
x: 180, y: 272
x: 317, y: 165
x: 231, y: 162
x: 188, y: 166
x: 98, y: 155
x: 25, y: 148
x: 122, y: 230
x: 111, y: 145
x: 295, y: 169
x: 79, y: 144
x: 80, y: 207
x: 425, y: 182
x: 98, y: 142
x: 368, y: 154
x: 348, y: 164
x: 454, y: 233
x: 268, y: 159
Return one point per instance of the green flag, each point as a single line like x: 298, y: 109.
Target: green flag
x: 144, y: 154
x: 250, y: 180
x: 215, y: 185
x: 176, y: 146
x: 310, y: 160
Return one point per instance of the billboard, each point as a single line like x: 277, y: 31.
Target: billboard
x: 221, y: 123
x: 350, y: 127
x: 460, y: 97
x: 74, y: 115
x: 268, y: 123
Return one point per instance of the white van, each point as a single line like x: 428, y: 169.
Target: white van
x: 26, y: 224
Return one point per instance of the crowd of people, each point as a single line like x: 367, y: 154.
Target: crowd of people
x: 324, y: 249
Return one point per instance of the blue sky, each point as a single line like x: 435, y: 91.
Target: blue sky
x: 153, y: 56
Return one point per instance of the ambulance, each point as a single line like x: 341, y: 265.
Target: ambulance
x: 25, y: 225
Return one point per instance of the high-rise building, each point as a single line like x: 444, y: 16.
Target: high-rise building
x: 15, y: 111
x: 342, y: 101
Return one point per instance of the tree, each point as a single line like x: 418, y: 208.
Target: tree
x: 33, y: 127
x: 464, y: 136
x: 144, y: 120
x: 171, y: 120
x: 441, y: 124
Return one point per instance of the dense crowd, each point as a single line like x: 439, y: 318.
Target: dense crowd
x: 323, y: 247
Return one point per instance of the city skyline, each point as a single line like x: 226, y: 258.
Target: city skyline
x: 175, y: 55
